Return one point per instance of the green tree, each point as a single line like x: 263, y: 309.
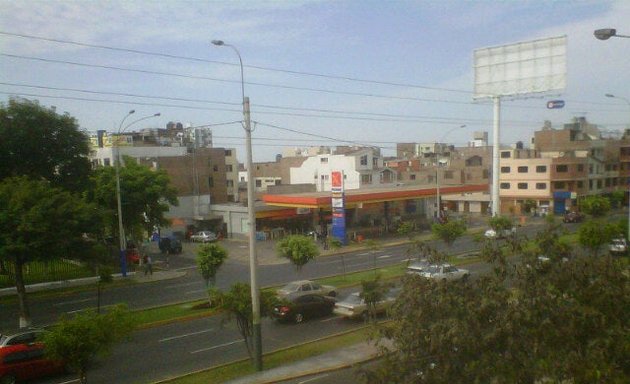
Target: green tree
x: 39, y: 222
x: 39, y: 143
x: 616, y: 198
x: 210, y: 257
x: 145, y: 195
x: 237, y: 304
x: 533, y: 322
x: 298, y: 249
x: 449, y: 232
x: 500, y: 223
x: 596, y: 206
x: 80, y: 339
x: 372, y: 291
x: 594, y: 234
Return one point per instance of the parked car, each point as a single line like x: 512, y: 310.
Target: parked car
x: 444, y: 272
x: 618, y: 246
x: 417, y: 266
x: 354, y: 307
x: 499, y: 234
x: 573, y: 217
x: 204, y: 237
x: 20, y: 362
x: 305, y: 287
x: 303, y: 307
x: 26, y: 337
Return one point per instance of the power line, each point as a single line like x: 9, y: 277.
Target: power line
x: 195, y: 59
x: 251, y: 83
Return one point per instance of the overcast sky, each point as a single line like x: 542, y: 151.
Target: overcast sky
x: 302, y: 62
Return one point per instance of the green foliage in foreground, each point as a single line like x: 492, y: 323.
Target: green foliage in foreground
x: 78, y: 340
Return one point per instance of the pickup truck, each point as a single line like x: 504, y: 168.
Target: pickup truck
x: 499, y: 234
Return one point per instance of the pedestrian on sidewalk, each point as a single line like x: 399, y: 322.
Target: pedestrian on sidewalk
x: 148, y: 265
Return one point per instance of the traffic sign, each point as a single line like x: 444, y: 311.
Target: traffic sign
x: 554, y: 104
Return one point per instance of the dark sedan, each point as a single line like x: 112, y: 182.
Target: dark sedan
x: 303, y: 307
x: 573, y: 217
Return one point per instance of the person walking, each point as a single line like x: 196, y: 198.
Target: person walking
x: 148, y: 265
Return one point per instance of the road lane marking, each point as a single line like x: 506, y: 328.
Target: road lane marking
x: 185, y: 335
x: 193, y: 292
x: 217, y: 346
x: 330, y: 319
x: 70, y: 381
x: 384, y: 257
x: 72, y: 302
x: 184, y: 284
x: 314, y: 378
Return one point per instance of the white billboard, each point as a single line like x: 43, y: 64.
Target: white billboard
x: 521, y: 68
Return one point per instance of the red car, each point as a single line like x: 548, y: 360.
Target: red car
x: 26, y: 362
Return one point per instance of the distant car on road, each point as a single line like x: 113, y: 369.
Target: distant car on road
x: 303, y: 307
x: 204, y: 237
x: 305, y: 287
x: 170, y: 245
x: 22, y: 337
x: 444, y: 272
x: 618, y: 246
x: 499, y: 234
x: 573, y: 217
x: 21, y: 362
x: 354, y: 307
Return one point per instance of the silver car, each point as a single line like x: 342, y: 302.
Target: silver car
x: 444, y: 272
x: 23, y: 337
x: 354, y: 307
x: 305, y: 287
x: 204, y: 237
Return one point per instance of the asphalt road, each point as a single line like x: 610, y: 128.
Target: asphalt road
x: 176, y: 349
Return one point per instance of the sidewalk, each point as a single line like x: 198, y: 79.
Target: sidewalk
x: 135, y: 276
x: 329, y: 361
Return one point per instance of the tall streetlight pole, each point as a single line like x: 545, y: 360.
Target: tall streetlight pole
x: 627, y: 170
x: 253, y: 263
x: 437, y: 171
x: 121, y: 229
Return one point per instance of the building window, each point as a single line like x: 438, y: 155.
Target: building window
x: 506, y: 155
x: 229, y: 183
x: 366, y: 179
x: 323, y: 160
x: 375, y: 162
x: 541, y: 185
x: 448, y: 174
x: 580, y: 184
x: 364, y: 160
x: 505, y: 185
x: 228, y: 168
x: 485, y: 174
x: 505, y: 169
x: 228, y: 152
x: 258, y: 183
x: 599, y: 184
x: 210, y: 182
x: 106, y: 162
x: 559, y: 185
x: 541, y: 168
x: 412, y: 177
x: 562, y: 168
x: 325, y: 177
x: 215, y: 168
x: 278, y: 182
x: 243, y: 178
x: 523, y: 169
x: 522, y: 185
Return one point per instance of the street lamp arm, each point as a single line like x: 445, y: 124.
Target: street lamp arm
x: 137, y: 121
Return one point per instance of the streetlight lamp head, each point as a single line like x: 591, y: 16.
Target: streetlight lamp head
x: 605, y: 34
x: 609, y: 95
x: 218, y: 42
x: 132, y: 111
x: 157, y: 114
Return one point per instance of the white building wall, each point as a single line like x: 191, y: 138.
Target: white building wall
x: 100, y: 154
x: 316, y: 170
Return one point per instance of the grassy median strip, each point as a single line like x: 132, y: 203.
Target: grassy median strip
x: 274, y: 359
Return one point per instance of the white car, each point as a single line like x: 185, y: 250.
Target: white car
x: 417, y: 266
x: 502, y: 233
x: 443, y: 272
x: 204, y: 237
x: 354, y: 307
x: 618, y: 246
x: 305, y: 287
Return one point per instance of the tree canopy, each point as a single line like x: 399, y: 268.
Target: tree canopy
x: 449, y: 232
x: 37, y: 142
x: 78, y: 340
x: 596, y: 206
x: 298, y: 249
x: 145, y: 195
x: 39, y: 222
x: 529, y: 321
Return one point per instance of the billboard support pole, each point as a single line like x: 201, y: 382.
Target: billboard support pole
x: 496, y: 208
